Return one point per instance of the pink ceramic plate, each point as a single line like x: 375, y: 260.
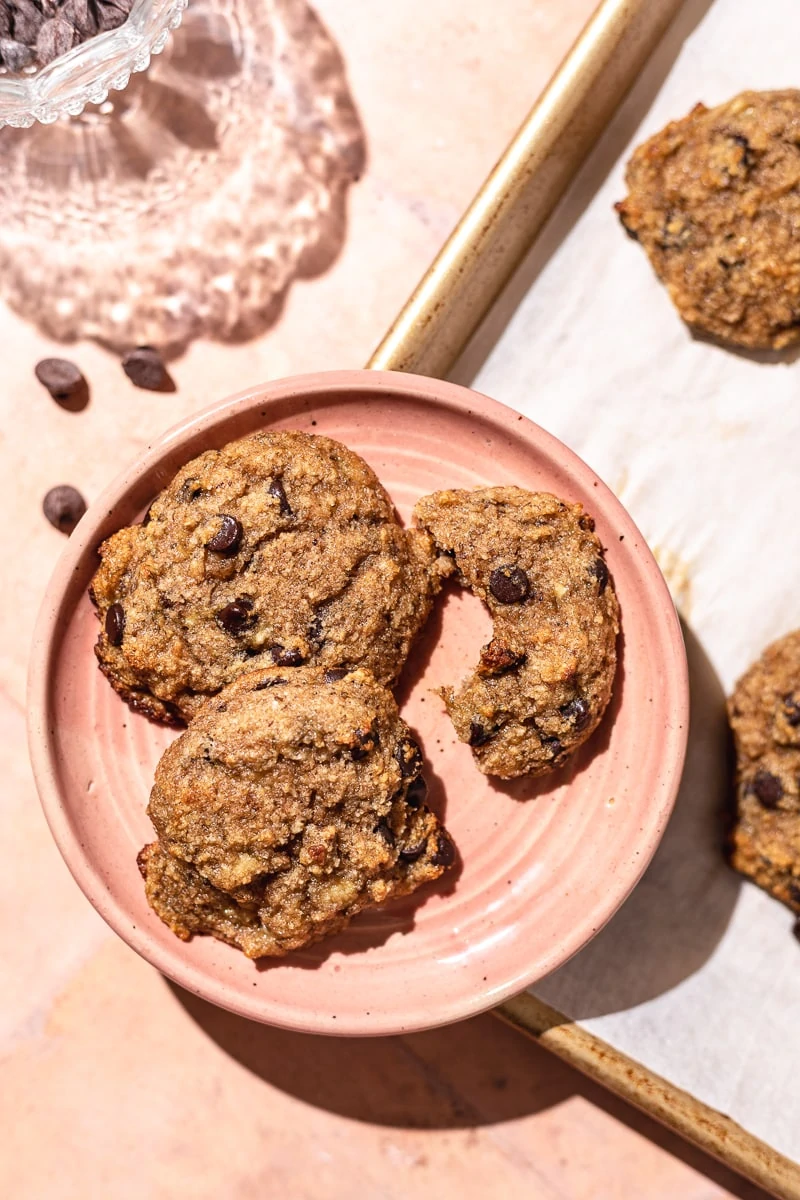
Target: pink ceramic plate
x: 544, y: 863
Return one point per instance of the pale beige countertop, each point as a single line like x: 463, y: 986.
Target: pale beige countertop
x: 114, y: 1083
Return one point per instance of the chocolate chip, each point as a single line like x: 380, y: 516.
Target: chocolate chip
x: 509, y: 585
x: 276, y: 489
x: 79, y: 13
x: 385, y: 831
x: 445, y: 854
x: 111, y: 15
x: 115, y: 624
x: 64, y: 506
x: 144, y: 366
x: 767, y: 788
x: 600, y: 572
x: 15, y: 55
x: 61, y: 377
x: 335, y: 674
x: 263, y: 684
x: 283, y: 657
x: 416, y: 792
x: 791, y: 707
x: 191, y: 490
x: 236, y: 617
x: 578, y: 711
x: 412, y: 853
x: 55, y: 38
x: 586, y: 522
x: 315, y: 630
x: 479, y: 735
x: 553, y: 746
x: 497, y: 659
x: 748, y: 157
x: 228, y: 537
x: 27, y: 21
x: 365, y: 741
x: 408, y: 757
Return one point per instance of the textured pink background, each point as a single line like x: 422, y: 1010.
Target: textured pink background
x: 113, y: 1083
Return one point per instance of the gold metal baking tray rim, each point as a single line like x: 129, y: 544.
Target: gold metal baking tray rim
x: 429, y: 334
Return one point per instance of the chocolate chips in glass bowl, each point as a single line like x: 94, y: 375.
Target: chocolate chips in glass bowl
x: 35, y: 32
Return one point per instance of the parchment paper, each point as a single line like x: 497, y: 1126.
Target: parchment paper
x: 698, y: 976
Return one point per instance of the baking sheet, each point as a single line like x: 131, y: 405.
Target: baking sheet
x: 698, y: 976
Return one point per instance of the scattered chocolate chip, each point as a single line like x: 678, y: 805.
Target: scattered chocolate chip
x: 335, y: 674
x: 479, y: 735
x: 578, y: 711
x: 445, y: 854
x: 767, y: 789
x: 586, y: 522
x: 600, y: 572
x: 509, y: 585
x: 497, y: 659
x: 237, y: 616
x: 791, y: 707
x: 412, y: 853
x: 263, y: 684
x: 144, y: 366
x: 115, y: 624
x: 55, y: 38
x: 228, y: 537
x: 64, y: 506
x: 408, y: 757
x: 553, y: 746
x: 276, y: 489
x: 385, y: 831
x: 61, y: 377
x: 416, y: 792
x: 283, y: 657
x: 15, y: 55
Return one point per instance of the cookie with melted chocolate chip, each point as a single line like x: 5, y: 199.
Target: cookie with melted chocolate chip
x: 714, y: 200
x: 293, y: 801
x: 544, y: 680
x: 764, y: 713
x: 279, y: 548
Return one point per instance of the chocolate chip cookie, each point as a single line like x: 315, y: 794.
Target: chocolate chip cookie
x: 545, y: 678
x: 764, y: 713
x: 293, y: 801
x: 714, y: 200
x: 280, y: 548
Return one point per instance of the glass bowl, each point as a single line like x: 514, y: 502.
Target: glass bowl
x: 90, y: 71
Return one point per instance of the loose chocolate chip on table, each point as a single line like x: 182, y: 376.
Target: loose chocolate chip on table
x: 791, y: 707
x: 509, y: 585
x: 286, y: 658
x: 145, y: 368
x: 445, y: 854
x: 115, y: 624
x: 412, y: 853
x: 64, y: 506
x: 577, y: 711
x: 61, y: 377
x: 236, y: 617
x: 228, y: 537
x: 417, y: 791
x: 335, y: 674
x: 55, y: 38
x: 15, y: 55
x: 408, y: 757
x: 767, y: 788
x: 600, y: 572
x: 276, y: 489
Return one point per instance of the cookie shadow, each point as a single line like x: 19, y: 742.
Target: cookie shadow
x: 582, y: 191
x: 672, y: 922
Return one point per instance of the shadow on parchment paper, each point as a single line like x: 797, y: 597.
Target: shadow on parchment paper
x: 582, y: 191
x: 670, y: 925
x: 186, y: 204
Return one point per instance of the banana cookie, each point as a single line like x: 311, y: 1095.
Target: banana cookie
x: 714, y: 200
x: 280, y: 548
x: 293, y: 801
x: 545, y: 678
x: 764, y: 713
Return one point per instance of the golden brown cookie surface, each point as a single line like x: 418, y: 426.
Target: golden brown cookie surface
x: 764, y: 713
x: 714, y: 199
x: 544, y: 680
x: 293, y: 801
x: 282, y: 547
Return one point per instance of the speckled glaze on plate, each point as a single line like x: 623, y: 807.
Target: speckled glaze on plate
x: 544, y: 863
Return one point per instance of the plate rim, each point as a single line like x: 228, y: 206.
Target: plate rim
x: 85, y: 537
